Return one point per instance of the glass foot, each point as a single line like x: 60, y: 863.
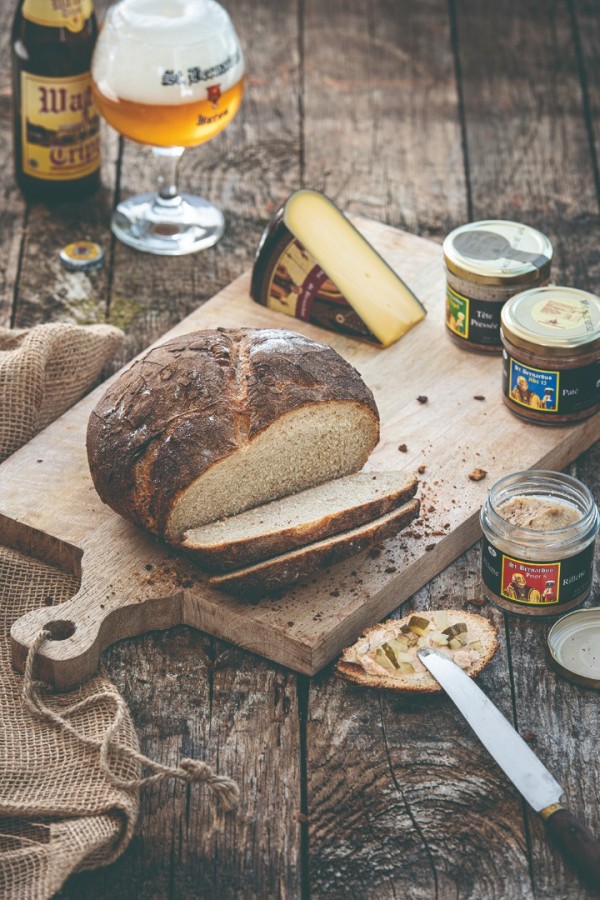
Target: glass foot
x: 174, y: 227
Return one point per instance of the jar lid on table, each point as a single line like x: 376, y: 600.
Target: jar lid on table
x: 499, y: 252
x: 574, y: 646
x: 561, y: 319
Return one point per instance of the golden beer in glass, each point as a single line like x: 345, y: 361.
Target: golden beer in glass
x: 170, y: 74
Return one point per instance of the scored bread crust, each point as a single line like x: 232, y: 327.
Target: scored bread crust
x: 198, y: 399
x: 350, y: 668
x: 300, y: 565
x: 228, y: 551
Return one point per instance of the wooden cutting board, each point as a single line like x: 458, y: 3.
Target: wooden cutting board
x: 132, y: 583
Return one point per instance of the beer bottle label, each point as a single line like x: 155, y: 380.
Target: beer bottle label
x: 70, y: 14
x: 60, y: 127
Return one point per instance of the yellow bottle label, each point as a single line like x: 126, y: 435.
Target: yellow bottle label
x: 71, y: 14
x: 60, y: 127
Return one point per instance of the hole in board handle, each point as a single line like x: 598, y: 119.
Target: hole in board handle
x: 60, y: 629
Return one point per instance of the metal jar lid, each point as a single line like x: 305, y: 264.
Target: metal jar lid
x: 81, y: 256
x: 561, y: 319
x: 574, y: 646
x: 498, y: 252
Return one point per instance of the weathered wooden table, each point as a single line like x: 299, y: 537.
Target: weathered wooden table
x: 422, y: 115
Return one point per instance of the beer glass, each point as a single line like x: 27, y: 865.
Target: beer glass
x: 168, y: 73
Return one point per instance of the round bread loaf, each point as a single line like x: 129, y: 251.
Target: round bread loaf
x: 214, y: 422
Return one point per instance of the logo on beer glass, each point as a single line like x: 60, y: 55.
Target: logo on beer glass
x: 214, y: 93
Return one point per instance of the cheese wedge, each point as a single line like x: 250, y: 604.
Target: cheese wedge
x: 313, y: 264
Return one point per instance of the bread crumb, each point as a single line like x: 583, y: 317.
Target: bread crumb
x: 477, y: 474
x: 421, y: 469
x: 478, y: 397
x: 403, y: 448
x: 422, y: 398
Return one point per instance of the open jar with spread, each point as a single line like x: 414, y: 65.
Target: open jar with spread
x: 486, y: 264
x: 539, y: 530
x: 551, y: 370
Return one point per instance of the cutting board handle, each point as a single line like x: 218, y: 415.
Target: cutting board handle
x: 80, y: 629
x: 131, y: 583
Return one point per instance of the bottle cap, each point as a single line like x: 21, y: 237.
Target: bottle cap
x: 81, y: 256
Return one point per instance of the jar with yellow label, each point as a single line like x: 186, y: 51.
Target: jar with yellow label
x: 537, y: 555
x: 486, y: 264
x: 551, y: 357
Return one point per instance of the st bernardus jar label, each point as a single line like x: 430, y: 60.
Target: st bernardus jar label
x: 551, y: 340
x: 527, y: 583
x: 552, y: 391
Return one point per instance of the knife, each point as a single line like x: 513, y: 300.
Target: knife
x: 519, y: 763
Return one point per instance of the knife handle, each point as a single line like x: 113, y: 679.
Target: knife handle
x: 577, y: 843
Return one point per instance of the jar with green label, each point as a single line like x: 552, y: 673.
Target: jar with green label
x: 487, y: 263
x: 551, y: 357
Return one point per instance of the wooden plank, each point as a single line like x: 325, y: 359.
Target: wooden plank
x: 192, y: 696
x: 375, y: 827
x: 188, y: 694
x: 381, y: 132
x: 542, y: 173
x: 399, y: 817
x: 417, y: 810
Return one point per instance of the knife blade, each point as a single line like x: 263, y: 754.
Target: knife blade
x: 518, y: 761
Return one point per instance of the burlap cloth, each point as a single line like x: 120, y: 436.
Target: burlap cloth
x: 70, y: 767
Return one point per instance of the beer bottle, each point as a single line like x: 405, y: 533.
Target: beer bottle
x: 56, y: 125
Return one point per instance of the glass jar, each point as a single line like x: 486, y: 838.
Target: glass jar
x: 551, y: 369
x: 487, y: 263
x: 540, y: 564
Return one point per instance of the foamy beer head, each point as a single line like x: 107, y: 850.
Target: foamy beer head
x: 168, y: 72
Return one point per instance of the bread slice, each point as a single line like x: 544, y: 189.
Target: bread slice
x: 297, y: 520
x: 300, y: 565
x: 356, y: 663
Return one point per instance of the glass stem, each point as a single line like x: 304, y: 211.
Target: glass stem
x: 167, y: 159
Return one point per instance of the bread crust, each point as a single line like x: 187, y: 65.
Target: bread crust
x: 226, y: 556
x: 300, y: 565
x: 195, y: 400
x: 350, y: 668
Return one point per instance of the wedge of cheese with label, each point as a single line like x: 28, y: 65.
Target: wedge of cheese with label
x: 314, y: 265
